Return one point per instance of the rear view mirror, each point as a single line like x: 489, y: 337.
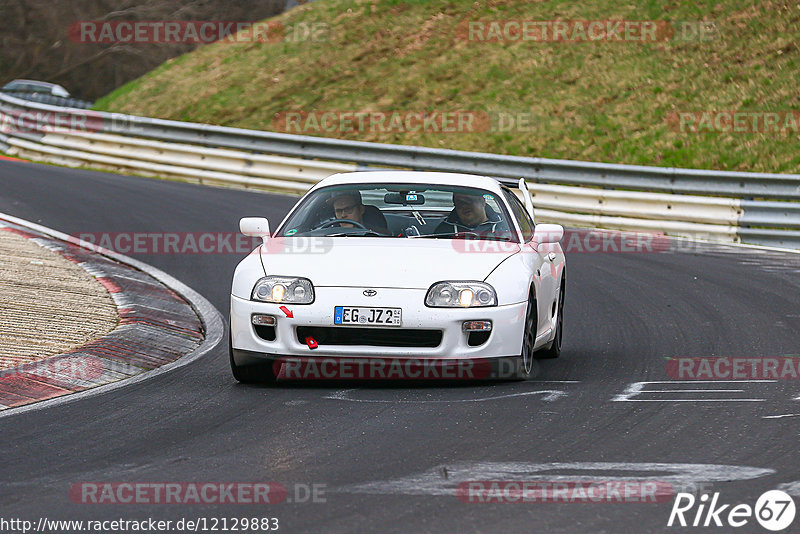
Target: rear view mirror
x: 404, y: 199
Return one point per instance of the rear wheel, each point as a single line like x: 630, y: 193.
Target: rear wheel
x: 259, y: 373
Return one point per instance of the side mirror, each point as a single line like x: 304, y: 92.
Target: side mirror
x: 548, y: 233
x: 255, y: 227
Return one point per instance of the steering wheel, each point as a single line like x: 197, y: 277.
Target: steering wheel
x: 332, y: 222
x: 466, y: 234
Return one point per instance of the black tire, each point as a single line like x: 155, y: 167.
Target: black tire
x: 553, y: 350
x: 525, y: 365
x: 263, y: 373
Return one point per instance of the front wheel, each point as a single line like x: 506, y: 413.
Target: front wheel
x: 260, y: 373
x: 554, y: 349
x: 524, y: 364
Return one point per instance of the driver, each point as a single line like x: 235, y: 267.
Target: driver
x: 348, y: 205
x: 471, y: 214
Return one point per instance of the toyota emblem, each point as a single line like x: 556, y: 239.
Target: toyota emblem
x: 370, y: 292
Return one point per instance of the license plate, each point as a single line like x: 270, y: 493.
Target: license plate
x: 347, y: 315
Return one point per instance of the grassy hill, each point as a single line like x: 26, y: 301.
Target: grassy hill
x: 611, y: 101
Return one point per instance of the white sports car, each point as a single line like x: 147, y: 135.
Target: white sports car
x: 389, y: 274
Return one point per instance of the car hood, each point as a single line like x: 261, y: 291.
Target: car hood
x: 383, y: 262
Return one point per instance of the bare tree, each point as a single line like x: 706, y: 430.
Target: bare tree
x: 36, y: 44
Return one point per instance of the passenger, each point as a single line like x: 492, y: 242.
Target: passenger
x: 471, y: 214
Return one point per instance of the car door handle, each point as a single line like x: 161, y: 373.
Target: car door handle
x: 551, y: 256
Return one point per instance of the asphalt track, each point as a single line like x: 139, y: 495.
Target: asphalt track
x: 390, y: 455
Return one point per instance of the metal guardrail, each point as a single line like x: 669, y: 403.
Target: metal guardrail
x: 756, y: 208
x: 201, y: 164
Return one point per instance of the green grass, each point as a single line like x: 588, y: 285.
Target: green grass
x: 591, y: 101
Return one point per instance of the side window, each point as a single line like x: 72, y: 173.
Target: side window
x: 521, y: 214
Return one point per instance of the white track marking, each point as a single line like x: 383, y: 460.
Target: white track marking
x: 432, y: 482
x: 549, y: 395
x: 638, y: 388
x: 792, y: 488
x: 694, y: 400
x: 694, y: 390
x: 339, y: 395
x: 780, y: 416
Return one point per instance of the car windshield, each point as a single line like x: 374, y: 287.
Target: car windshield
x: 407, y: 211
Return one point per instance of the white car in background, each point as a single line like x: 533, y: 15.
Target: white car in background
x: 380, y: 265
x: 28, y: 87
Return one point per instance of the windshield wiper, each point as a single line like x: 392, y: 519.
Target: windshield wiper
x: 446, y: 234
x: 467, y: 235
x: 364, y: 233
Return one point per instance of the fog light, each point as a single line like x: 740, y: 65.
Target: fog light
x: 263, y: 320
x: 476, y: 326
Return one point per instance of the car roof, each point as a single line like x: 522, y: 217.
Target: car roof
x: 33, y: 82
x: 411, y: 177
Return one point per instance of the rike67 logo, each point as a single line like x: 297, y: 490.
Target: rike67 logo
x: 774, y: 510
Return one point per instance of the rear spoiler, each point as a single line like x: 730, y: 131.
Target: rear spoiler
x: 511, y: 183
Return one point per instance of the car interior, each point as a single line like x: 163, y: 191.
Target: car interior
x: 400, y: 222
x: 400, y: 213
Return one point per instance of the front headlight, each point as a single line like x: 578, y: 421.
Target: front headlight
x: 461, y: 295
x: 284, y: 290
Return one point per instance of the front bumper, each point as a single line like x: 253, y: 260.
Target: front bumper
x: 505, y: 339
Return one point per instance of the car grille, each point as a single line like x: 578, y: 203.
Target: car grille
x: 375, y: 337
